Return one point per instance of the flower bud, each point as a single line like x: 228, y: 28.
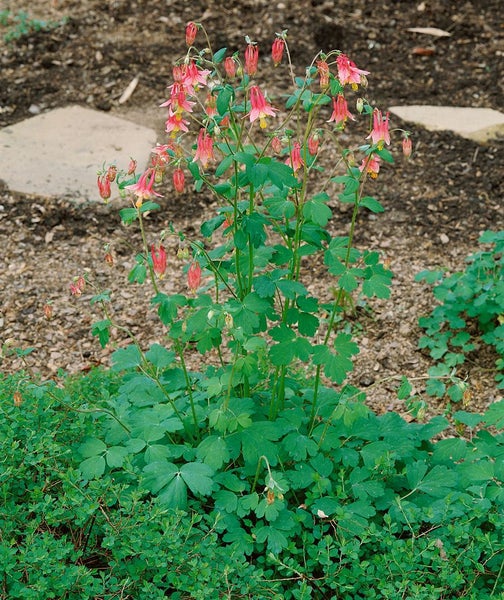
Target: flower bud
x: 179, y: 180
x: 230, y: 67
x: 104, y: 186
x: 48, y: 311
x: 190, y: 33
x: 251, y: 59
x: 158, y: 256
x: 277, y: 50
x: 407, y: 146
x: 359, y: 105
x: 313, y: 144
x: 194, y: 276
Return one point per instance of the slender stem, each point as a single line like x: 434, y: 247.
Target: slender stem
x: 146, y: 252
x: 188, y: 387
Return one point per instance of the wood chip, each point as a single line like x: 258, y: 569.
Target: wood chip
x: 435, y: 31
x: 126, y: 95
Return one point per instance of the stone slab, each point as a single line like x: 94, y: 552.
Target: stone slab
x: 478, y: 124
x: 58, y: 153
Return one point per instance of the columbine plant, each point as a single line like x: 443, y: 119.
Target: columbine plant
x: 277, y: 357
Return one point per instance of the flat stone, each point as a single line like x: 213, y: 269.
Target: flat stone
x: 478, y: 124
x: 58, y: 153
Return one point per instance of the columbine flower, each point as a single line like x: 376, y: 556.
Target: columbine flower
x: 230, y: 66
x: 348, y: 72
x: 143, y: 187
x: 371, y: 164
x: 78, y: 285
x: 204, y: 149
x: 194, y: 77
x: 407, y: 146
x: 251, y: 59
x: 380, y: 133
x: 323, y: 71
x: 260, y: 108
x: 340, y: 111
x: 194, y: 276
x: 104, y: 186
x: 175, y: 123
x: 277, y: 50
x: 158, y: 256
x: 190, y: 33
x: 211, y: 105
x: 178, y: 99
x: 178, y: 180
x: 161, y: 156
x: 295, y: 161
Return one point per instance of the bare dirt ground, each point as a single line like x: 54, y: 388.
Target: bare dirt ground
x: 437, y: 204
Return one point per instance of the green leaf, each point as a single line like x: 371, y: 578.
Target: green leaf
x: 168, y: 306
x: 405, y: 389
x: 213, y: 451
x: 138, y: 273
x: 102, y: 330
x: 316, y: 211
x: 438, y: 481
x: 494, y: 415
x: 159, y: 356
x: 128, y: 215
x: 290, y: 289
x: 415, y: 472
x: 276, y: 540
x: 92, y: 447
x: 93, y: 467
x: 126, y: 358
x: 218, y: 57
x: 102, y: 297
x: 159, y: 474
x: 224, y: 99
x: 149, y: 206
x: 385, y: 155
x: 264, y: 286
x: 174, y: 495
x: 371, y: 204
x: 194, y: 170
x: 208, y: 227
x: 115, y: 456
x: 198, y: 477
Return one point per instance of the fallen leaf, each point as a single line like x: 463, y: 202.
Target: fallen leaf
x: 419, y: 51
x: 435, y: 31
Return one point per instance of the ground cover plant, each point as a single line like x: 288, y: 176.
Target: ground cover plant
x: 256, y: 471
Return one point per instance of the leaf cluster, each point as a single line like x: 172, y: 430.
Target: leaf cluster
x: 470, y: 313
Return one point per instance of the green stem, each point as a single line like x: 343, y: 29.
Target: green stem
x: 188, y: 387
x: 146, y: 252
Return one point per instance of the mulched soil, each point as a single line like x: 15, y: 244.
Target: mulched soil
x: 437, y: 204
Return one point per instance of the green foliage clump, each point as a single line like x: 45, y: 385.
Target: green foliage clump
x: 367, y: 507
x: 61, y: 537
x: 21, y: 24
x: 470, y: 312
